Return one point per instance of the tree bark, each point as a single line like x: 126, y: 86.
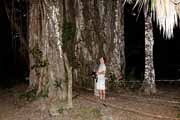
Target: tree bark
x: 69, y: 18
x: 50, y: 71
x: 149, y: 86
x: 99, y: 32
x: 65, y: 43
x: 118, y: 58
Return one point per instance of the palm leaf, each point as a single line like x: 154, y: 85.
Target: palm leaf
x: 164, y: 12
x: 178, y: 8
x: 166, y: 16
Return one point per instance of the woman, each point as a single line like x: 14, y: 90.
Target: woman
x: 101, y: 79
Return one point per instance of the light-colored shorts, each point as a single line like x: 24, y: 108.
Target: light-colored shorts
x: 101, y: 84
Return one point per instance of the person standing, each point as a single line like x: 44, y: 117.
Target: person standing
x: 101, y: 79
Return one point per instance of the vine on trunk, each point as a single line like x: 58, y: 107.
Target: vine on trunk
x: 68, y: 35
x: 38, y: 55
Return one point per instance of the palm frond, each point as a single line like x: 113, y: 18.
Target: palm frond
x: 166, y: 16
x: 163, y: 10
x: 177, y: 8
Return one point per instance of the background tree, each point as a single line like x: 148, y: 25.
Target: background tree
x: 164, y: 12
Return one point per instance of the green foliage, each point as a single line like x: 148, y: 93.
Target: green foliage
x: 112, y: 84
x: 41, y: 64
x: 28, y: 96
x: 36, y: 52
x: 58, y: 84
x: 60, y: 110
x: 38, y: 55
x: 68, y: 32
x: 152, y: 4
x: 178, y: 116
x: 44, y: 93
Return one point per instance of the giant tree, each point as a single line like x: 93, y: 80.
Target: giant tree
x: 66, y: 42
x: 99, y: 32
x: 50, y: 72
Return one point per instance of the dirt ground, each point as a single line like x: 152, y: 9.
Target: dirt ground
x: 124, y: 105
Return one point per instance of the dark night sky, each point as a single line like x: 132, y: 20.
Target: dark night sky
x: 11, y: 63
x: 134, y: 42
x: 166, y: 55
x: 166, y: 52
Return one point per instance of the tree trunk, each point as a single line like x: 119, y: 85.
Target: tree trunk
x: 149, y: 86
x: 118, y: 58
x: 67, y: 37
x: 50, y: 71
x: 99, y: 32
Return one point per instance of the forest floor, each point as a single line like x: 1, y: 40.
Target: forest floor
x: 124, y: 105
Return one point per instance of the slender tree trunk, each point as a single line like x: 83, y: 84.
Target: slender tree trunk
x: 149, y: 86
x: 50, y: 71
x: 68, y: 41
x: 118, y: 58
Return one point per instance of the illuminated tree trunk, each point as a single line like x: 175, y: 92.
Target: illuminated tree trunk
x: 149, y: 86
x: 50, y: 71
x: 118, y: 57
x: 99, y: 32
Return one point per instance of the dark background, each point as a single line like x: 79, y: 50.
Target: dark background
x: 13, y: 66
x: 166, y: 52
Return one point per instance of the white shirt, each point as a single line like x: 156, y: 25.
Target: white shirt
x: 101, y: 68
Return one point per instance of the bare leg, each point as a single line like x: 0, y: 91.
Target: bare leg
x: 103, y: 94
x: 99, y: 92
